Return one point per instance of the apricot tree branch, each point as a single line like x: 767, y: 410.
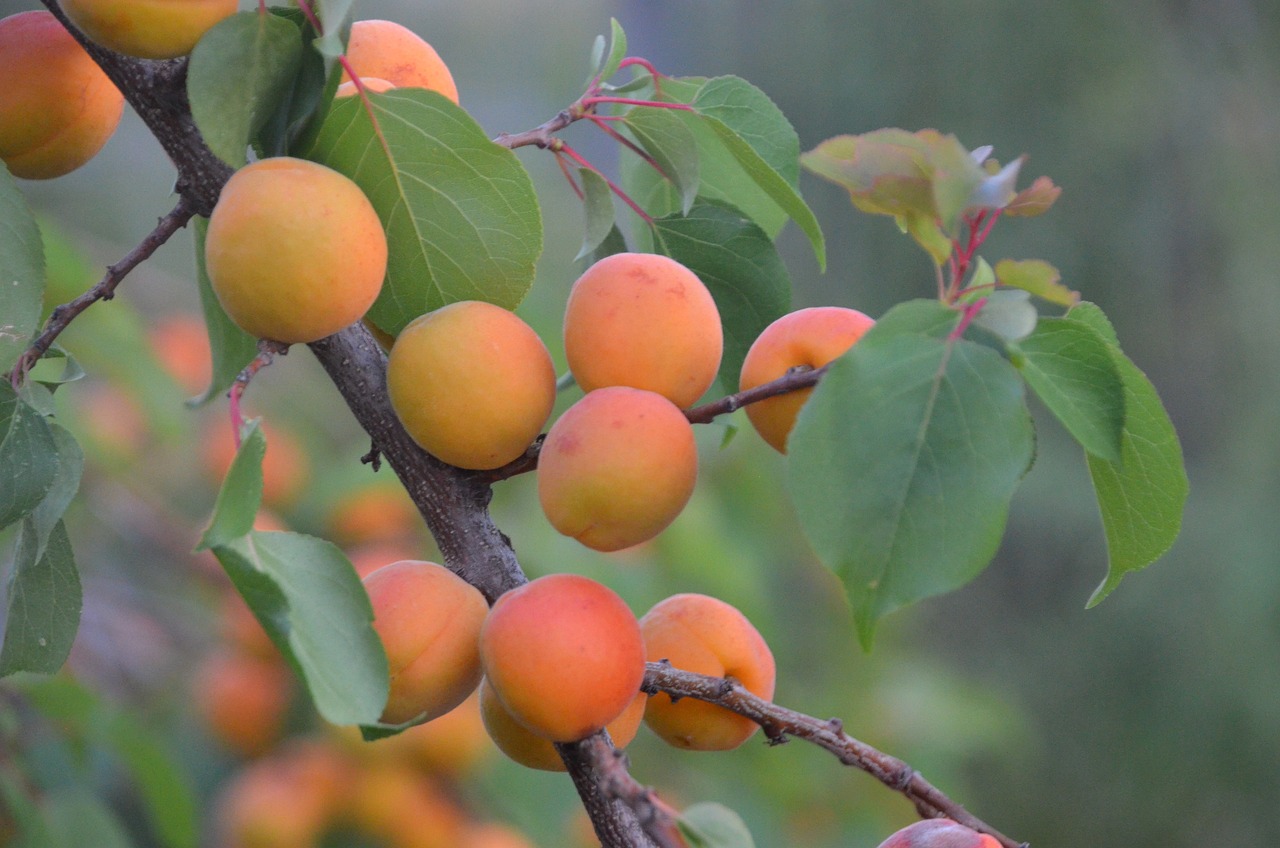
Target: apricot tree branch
x: 781, y: 724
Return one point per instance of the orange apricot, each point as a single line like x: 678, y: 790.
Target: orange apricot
x: 472, y: 384
x: 537, y: 752
x: 348, y: 88
x: 243, y: 699
x: 429, y: 621
x: 645, y: 321
x: 389, y: 51
x: 403, y: 808
x: 617, y: 468
x: 811, y: 337
x: 377, y: 513
x: 563, y: 654
x: 493, y: 835
x: 707, y: 636
x: 295, y: 251
x: 147, y: 29
x: 57, y: 107
x: 939, y: 833
x: 451, y: 745
x: 285, y: 801
x: 181, y: 343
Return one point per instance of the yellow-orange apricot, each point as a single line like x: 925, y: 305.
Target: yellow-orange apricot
x: 287, y: 800
x: 57, y: 107
x: 181, y: 343
x: 617, y: 467
x: 429, y: 621
x: 472, y: 383
x: 348, y: 88
x: 939, y: 833
x: 493, y: 835
x: 147, y: 29
x: 376, y: 513
x: 537, y: 752
x: 563, y: 654
x: 451, y: 745
x: 389, y: 51
x: 295, y: 251
x: 705, y: 635
x: 811, y: 337
x: 403, y: 808
x: 243, y: 699
x: 645, y: 321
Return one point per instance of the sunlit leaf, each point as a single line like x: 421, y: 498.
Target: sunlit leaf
x: 1038, y: 277
x: 1035, y: 199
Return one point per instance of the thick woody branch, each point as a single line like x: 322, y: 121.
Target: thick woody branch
x: 781, y: 724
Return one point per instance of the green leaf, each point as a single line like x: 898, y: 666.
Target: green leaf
x: 663, y: 135
x: 230, y: 348
x: 739, y: 265
x: 460, y: 212
x: 239, y: 75
x: 241, y: 493
x: 28, y: 457
x: 613, y: 243
x: 23, y: 812
x: 709, y: 825
x: 1037, y: 277
x: 617, y: 51
x: 597, y: 204
x: 163, y: 786
x: 1141, y: 497
x: 309, y: 93
x: 66, y: 482
x: 21, y: 272
x: 1008, y: 313
x: 1070, y: 367
x: 74, y: 817
x: 335, y: 20
x: 43, y: 605
x: 903, y: 463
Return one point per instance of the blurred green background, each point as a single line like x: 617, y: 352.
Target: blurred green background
x: 1152, y: 720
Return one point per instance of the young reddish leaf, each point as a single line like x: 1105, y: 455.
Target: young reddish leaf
x: 1037, y: 277
x: 1035, y: 199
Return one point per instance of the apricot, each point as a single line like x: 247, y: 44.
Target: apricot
x: 286, y: 801
x: 536, y: 752
x: 563, y: 654
x: 451, y: 745
x: 403, y: 808
x: 617, y: 467
x: 181, y: 343
x: 57, y: 107
x: 707, y: 636
x: 811, y: 337
x: 147, y: 29
x: 939, y: 833
x: 377, y: 513
x: 645, y: 321
x: 243, y: 699
x: 429, y: 621
x: 472, y: 384
x: 295, y: 251
x: 348, y: 88
x: 389, y: 51
x: 493, y: 835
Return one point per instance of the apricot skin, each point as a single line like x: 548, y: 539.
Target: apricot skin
x: 57, y: 107
x: 391, y: 52
x: 429, y: 621
x: 536, y: 752
x: 939, y: 833
x: 708, y: 636
x: 811, y: 337
x: 147, y: 29
x: 295, y: 251
x: 645, y: 321
x: 243, y: 699
x: 472, y: 383
x: 617, y: 468
x: 564, y: 655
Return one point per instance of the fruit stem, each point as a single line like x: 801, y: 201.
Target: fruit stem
x: 564, y: 169
x: 559, y: 145
x: 627, y: 143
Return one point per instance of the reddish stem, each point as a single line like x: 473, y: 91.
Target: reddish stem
x: 564, y: 169
x: 595, y: 100
x: 628, y: 143
x: 648, y: 66
x: 267, y: 351
x: 626, y: 198
x: 970, y: 312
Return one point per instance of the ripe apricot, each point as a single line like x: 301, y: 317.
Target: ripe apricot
x: 472, y: 383
x: 451, y: 745
x: 403, y: 808
x: 57, y: 107
x: 147, y: 29
x: 348, y: 88
x: 243, y: 699
x: 373, y: 514
x: 287, y: 800
x: 617, y: 467
x: 707, y: 636
x: 295, y: 251
x: 493, y: 835
x: 181, y: 343
x: 429, y: 621
x: 537, y: 752
x: 389, y: 51
x: 563, y: 654
x: 645, y: 321
x: 939, y: 833
x: 811, y: 337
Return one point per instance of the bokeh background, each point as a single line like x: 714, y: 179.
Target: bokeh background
x: 1152, y: 720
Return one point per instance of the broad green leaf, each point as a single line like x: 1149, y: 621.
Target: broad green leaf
x: 21, y: 272
x: 1008, y: 313
x: 597, y: 204
x: 1070, y: 367
x: 74, y: 817
x: 66, y: 482
x: 23, y: 812
x: 44, y: 602
x: 903, y: 463
x: 230, y: 108
x: 1035, y: 199
x: 28, y: 457
x: 1142, y: 497
x: 1038, y: 277
x: 739, y: 265
x: 613, y: 243
x: 164, y: 788
x: 710, y: 825
x: 461, y: 216
x: 241, y: 491
x: 312, y: 87
x: 663, y: 135
x: 230, y: 347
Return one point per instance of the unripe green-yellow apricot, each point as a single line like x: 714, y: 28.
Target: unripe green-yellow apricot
x: 617, y: 467
x: 645, y: 321
x: 147, y: 29
x: 429, y: 621
x: 57, y: 107
x: 705, y: 635
x: 394, y: 53
x: 472, y: 384
x: 295, y: 251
